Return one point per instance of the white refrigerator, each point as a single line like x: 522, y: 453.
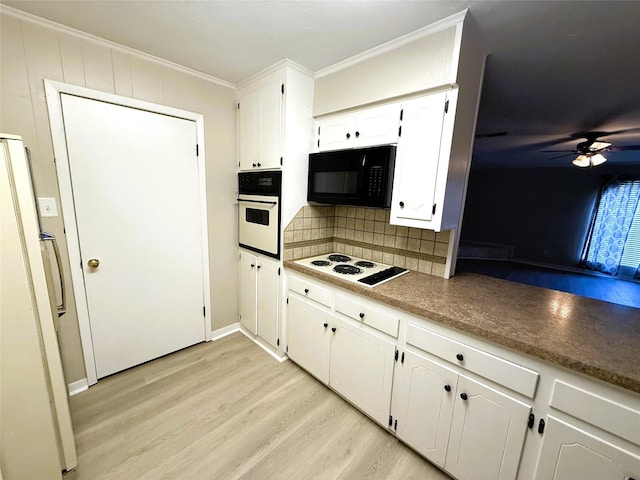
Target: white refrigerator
x: 36, y: 435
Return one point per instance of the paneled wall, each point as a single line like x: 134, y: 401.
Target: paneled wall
x: 33, y: 50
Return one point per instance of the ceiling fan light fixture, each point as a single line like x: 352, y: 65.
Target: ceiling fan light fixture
x: 598, y: 146
x: 589, y: 160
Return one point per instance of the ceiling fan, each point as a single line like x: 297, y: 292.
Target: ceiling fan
x: 590, y: 152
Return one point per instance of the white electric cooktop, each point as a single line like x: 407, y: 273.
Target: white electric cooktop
x: 358, y: 270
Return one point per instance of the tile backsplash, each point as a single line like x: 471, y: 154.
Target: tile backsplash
x: 366, y: 233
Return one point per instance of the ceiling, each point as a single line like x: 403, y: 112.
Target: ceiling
x: 556, y: 68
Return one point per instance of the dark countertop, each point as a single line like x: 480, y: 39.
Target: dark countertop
x: 596, y: 338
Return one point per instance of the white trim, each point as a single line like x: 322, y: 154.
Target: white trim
x: 78, y: 386
x: 53, y: 90
x: 430, y: 29
x: 224, y: 331
x: 285, y: 62
x: 263, y: 346
x: 92, y: 38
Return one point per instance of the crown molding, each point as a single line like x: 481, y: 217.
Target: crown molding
x: 116, y: 46
x: 430, y: 29
x: 285, y: 62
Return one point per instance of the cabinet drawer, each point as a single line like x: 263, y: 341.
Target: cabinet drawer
x: 596, y: 410
x: 311, y: 290
x: 368, y: 315
x: 503, y: 372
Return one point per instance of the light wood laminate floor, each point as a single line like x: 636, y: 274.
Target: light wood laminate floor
x: 227, y: 410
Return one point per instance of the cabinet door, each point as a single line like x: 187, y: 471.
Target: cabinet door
x: 377, y: 126
x: 270, y: 125
x: 361, y: 369
x: 336, y: 132
x: 417, y: 156
x: 423, y: 398
x: 569, y: 453
x: 487, y: 433
x: 267, y: 296
x: 248, y: 290
x: 308, y: 337
x: 248, y: 132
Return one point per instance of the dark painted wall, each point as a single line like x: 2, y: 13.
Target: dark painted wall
x: 543, y: 212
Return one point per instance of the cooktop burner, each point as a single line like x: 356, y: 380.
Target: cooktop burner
x: 339, y: 258
x: 365, y: 264
x: 347, y: 269
x: 321, y: 263
x: 363, y: 271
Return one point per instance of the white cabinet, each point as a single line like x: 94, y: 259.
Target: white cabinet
x: 352, y: 359
x: 423, y: 399
x: 260, y: 127
x: 371, y: 126
x: 259, y: 289
x: 469, y: 429
x: 487, y: 433
x: 570, y: 453
x: 308, y: 337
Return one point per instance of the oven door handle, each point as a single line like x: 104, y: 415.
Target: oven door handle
x: 257, y: 201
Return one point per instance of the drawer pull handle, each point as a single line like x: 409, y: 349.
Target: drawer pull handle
x: 464, y: 396
x: 460, y: 357
x: 306, y: 290
x: 447, y: 388
x: 532, y: 419
x: 361, y: 315
x: 326, y: 325
x: 333, y: 329
x: 541, y: 426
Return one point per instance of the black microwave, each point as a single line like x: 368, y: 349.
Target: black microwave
x: 362, y: 176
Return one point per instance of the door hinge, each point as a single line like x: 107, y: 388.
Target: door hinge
x: 400, y: 131
x: 395, y: 425
x: 318, y: 129
x: 280, y: 161
x: 197, y: 150
x: 396, y: 356
x: 401, y: 114
x: 287, y: 300
x: 278, y: 342
x: 286, y: 349
x: 238, y: 105
x: 238, y: 163
x: 318, y: 143
x: 204, y: 311
x: 402, y: 358
x: 390, y: 420
x: 282, y: 88
x: 446, y: 106
x: 433, y: 210
x: 278, y: 270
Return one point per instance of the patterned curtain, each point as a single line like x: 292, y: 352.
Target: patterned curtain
x: 615, y: 210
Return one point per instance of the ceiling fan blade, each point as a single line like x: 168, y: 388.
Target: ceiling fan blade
x: 558, y: 151
x: 492, y: 134
x: 561, y: 156
x: 624, y: 147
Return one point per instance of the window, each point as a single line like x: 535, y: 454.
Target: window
x: 613, y: 240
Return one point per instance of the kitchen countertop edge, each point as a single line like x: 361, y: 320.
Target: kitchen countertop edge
x: 608, y: 374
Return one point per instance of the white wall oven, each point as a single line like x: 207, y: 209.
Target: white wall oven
x: 259, y: 212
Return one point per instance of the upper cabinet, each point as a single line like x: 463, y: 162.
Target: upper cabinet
x: 422, y: 184
x: 364, y: 128
x: 260, y: 127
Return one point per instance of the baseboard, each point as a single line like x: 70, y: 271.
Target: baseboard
x: 224, y: 331
x: 77, y: 387
x: 263, y: 346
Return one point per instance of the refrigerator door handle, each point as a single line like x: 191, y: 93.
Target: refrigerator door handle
x: 48, y: 237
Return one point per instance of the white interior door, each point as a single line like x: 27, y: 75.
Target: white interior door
x: 137, y: 200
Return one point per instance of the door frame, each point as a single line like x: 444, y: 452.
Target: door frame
x: 53, y: 91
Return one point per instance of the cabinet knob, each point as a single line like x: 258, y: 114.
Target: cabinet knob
x: 460, y: 357
x: 401, y: 204
x: 259, y: 164
x: 357, y: 134
x: 258, y: 267
x: 464, y: 396
x: 333, y: 329
x: 447, y: 388
x: 253, y: 164
x: 361, y: 314
x: 252, y: 265
x: 325, y: 325
x: 348, y: 135
x: 306, y: 290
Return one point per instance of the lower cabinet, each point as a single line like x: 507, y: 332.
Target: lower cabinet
x: 469, y: 429
x: 356, y: 363
x: 259, y: 289
x: 569, y: 453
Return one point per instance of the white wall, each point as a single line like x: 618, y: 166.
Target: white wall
x: 32, y: 50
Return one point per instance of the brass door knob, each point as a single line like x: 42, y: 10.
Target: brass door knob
x: 93, y: 263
